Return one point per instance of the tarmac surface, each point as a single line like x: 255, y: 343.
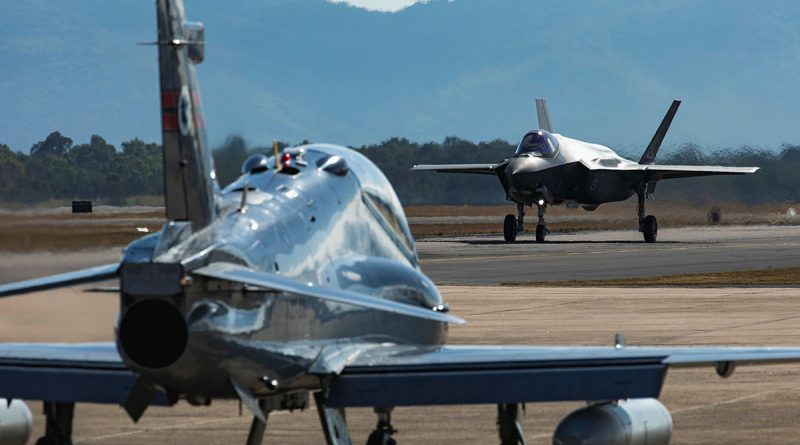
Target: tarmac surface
x: 758, y: 404
x: 488, y: 259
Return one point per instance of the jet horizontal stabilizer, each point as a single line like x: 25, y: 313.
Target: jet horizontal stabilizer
x: 245, y: 275
x: 90, y: 275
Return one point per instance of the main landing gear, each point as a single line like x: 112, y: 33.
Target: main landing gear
x: 648, y: 225
x: 382, y: 434
x: 512, y: 226
x: 58, y: 423
x: 508, y: 427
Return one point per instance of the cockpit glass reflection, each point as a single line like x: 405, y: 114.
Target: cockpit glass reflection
x: 539, y: 143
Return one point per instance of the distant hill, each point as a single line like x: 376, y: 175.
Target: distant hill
x: 310, y: 69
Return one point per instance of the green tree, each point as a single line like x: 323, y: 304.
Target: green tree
x: 54, y: 144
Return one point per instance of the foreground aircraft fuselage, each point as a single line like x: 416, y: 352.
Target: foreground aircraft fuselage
x: 301, y: 277
x: 327, y: 218
x: 552, y: 169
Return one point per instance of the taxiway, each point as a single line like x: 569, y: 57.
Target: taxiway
x: 487, y: 259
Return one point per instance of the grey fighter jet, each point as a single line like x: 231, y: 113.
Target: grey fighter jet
x: 551, y: 169
x: 301, y: 278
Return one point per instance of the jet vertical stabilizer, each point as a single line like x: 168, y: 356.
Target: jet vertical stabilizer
x: 190, y: 185
x: 649, y: 155
x: 544, y: 115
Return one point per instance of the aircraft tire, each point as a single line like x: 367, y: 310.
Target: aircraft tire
x: 650, y: 229
x: 510, y: 228
x: 541, y: 232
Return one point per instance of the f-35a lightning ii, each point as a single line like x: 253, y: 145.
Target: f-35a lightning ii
x: 551, y: 169
x: 301, y: 278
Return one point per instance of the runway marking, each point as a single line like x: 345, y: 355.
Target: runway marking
x: 164, y: 428
x: 600, y: 252
x: 731, y: 401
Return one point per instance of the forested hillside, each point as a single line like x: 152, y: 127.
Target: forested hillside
x: 57, y: 169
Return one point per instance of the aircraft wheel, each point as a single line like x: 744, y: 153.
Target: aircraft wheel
x: 541, y: 231
x: 378, y: 438
x: 510, y: 228
x: 650, y: 229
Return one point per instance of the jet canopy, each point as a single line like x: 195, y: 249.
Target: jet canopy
x: 539, y: 143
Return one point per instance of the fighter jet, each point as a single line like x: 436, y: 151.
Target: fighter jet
x: 551, y: 169
x: 300, y: 278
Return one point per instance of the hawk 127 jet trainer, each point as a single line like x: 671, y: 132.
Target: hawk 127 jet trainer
x: 301, y: 278
x: 551, y: 169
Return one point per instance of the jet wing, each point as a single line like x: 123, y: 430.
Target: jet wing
x: 480, y: 169
x: 244, y: 275
x: 650, y: 172
x: 405, y: 375
x: 93, y: 274
x: 60, y: 372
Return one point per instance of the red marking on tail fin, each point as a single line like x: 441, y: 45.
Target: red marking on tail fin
x: 169, y: 121
x: 169, y: 99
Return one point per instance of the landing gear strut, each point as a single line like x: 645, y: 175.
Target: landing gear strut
x: 334, y: 422
x: 382, y: 434
x: 258, y: 428
x: 58, y: 423
x: 541, y: 226
x: 648, y: 225
x: 508, y: 427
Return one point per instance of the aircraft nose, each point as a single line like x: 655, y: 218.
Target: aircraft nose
x: 521, y: 165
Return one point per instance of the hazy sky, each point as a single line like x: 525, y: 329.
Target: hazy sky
x: 329, y: 72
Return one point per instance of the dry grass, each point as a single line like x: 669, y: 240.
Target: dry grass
x: 59, y: 230
x: 789, y: 276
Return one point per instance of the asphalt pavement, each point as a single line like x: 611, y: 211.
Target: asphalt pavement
x: 488, y: 259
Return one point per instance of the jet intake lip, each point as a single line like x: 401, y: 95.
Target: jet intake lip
x: 153, y: 334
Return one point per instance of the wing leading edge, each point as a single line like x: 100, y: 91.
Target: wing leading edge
x: 476, y: 374
x: 649, y: 172
x: 241, y: 274
x: 60, y: 372
x: 90, y: 275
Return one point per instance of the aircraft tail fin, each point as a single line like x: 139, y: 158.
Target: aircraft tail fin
x: 190, y: 186
x: 649, y: 155
x: 543, y: 115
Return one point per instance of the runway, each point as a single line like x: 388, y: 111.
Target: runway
x: 757, y: 404
x: 487, y: 259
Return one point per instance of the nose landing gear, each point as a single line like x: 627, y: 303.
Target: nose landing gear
x: 541, y: 226
x: 514, y: 225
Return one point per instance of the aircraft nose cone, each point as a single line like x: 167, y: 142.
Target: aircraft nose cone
x: 521, y: 172
x: 522, y: 165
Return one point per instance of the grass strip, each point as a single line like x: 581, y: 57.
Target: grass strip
x: 789, y: 276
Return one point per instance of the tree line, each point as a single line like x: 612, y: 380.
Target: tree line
x: 57, y: 169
